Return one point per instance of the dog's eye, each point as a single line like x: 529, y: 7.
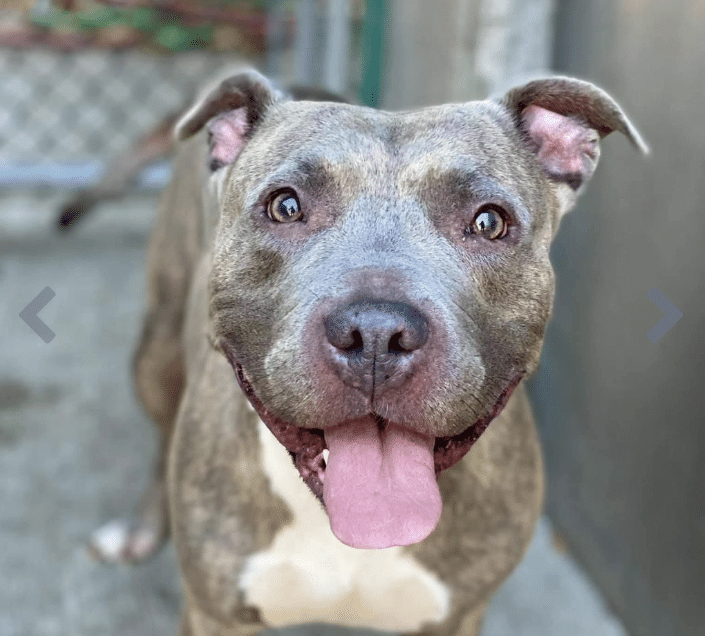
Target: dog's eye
x: 284, y: 207
x: 490, y: 222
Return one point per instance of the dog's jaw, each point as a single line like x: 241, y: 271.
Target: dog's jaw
x: 450, y: 449
x: 306, y: 446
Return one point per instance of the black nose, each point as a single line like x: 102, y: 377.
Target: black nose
x: 373, y: 343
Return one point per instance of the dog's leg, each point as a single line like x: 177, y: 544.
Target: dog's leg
x: 471, y: 622
x: 159, y: 362
x: 468, y: 623
x: 196, y: 623
x: 159, y: 380
x: 184, y: 624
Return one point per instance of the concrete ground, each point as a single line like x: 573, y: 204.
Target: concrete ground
x: 75, y: 448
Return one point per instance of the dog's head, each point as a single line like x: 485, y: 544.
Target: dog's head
x: 381, y: 281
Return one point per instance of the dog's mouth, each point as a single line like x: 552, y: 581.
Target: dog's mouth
x: 377, y: 479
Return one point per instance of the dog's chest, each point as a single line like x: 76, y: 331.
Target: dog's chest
x: 307, y: 575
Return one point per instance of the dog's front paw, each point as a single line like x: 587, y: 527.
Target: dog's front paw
x: 125, y: 541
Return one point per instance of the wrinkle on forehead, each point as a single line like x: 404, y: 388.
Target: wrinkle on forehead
x: 339, y: 131
x: 391, y: 153
x: 460, y: 183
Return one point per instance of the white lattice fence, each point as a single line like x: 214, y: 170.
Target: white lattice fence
x: 77, y: 109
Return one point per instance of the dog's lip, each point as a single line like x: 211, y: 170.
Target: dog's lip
x: 450, y: 449
x: 306, y: 445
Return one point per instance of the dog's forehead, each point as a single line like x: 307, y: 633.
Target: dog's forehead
x: 443, y: 149
x: 430, y: 136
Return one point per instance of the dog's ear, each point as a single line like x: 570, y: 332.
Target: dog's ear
x: 562, y: 121
x: 230, y: 112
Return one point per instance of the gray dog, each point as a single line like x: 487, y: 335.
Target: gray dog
x: 341, y: 300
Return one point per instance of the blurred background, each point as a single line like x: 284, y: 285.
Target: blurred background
x: 88, y: 92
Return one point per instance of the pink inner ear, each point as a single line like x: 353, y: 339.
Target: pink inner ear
x: 565, y: 146
x: 228, y: 136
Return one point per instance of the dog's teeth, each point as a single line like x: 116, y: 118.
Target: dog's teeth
x: 325, y: 456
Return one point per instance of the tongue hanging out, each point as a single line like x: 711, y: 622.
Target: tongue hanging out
x: 380, y: 488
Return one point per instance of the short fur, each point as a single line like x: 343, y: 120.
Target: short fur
x: 390, y: 199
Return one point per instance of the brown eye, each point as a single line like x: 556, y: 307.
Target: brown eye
x: 284, y: 207
x: 490, y: 222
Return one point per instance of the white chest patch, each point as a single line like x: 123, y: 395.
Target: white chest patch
x: 308, y: 575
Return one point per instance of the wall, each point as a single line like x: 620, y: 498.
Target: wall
x: 461, y: 50
x: 623, y: 418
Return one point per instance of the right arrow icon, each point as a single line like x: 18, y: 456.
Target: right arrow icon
x: 671, y: 315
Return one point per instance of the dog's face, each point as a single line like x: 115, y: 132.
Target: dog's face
x: 381, y: 282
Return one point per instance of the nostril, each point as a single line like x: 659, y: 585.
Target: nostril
x: 395, y: 345
x: 342, y: 337
x: 356, y: 344
x: 372, y: 344
x: 377, y: 326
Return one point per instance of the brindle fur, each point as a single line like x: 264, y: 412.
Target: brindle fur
x: 390, y: 195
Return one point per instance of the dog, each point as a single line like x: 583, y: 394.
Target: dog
x: 341, y: 300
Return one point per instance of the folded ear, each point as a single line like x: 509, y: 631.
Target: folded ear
x: 230, y: 113
x: 562, y: 120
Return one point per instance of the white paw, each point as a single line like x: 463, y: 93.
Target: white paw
x: 120, y: 541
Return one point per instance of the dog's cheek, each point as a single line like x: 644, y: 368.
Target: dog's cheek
x: 244, y: 302
x: 262, y: 269
x: 513, y: 310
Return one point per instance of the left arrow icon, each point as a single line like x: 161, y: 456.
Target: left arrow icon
x: 29, y: 314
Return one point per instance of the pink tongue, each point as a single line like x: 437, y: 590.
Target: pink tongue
x: 380, y: 488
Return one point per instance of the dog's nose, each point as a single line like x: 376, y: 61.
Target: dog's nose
x: 372, y: 343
